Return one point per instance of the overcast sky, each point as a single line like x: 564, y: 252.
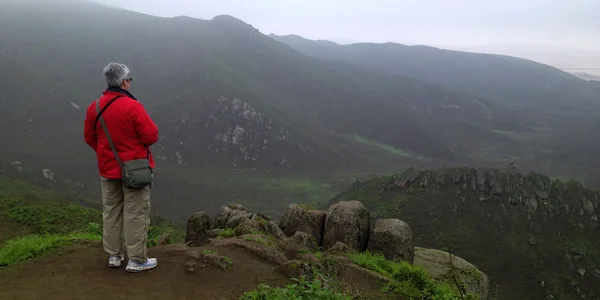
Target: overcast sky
x: 572, y: 23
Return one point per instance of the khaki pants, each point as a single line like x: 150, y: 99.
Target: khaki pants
x: 125, y: 210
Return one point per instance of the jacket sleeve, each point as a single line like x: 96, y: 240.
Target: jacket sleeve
x: 89, y: 130
x: 144, y: 126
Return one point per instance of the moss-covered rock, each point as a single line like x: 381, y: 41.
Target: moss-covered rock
x: 453, y: 270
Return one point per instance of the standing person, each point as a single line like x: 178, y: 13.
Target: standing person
x: 131, y: 132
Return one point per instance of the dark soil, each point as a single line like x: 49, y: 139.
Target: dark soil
x: 81, y: 272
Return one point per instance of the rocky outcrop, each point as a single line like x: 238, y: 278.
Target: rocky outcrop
x: 346, y: 230
x: 305, y: 219
x: 347, y: 222
x: 393, y: 239
x: 453, y: 270
x: 521, y: 216
x: 197, y: 229
x: 50, y: 176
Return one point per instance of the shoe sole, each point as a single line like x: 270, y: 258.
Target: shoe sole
x: 136, y: 270
x: 114, y: 266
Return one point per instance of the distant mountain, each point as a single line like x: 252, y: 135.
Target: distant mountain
x: 562, y: 57
x: 587, y: 76
x: 536, y: 238
x: 522, y: 83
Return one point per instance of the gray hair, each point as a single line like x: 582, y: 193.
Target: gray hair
x: 115, y: 73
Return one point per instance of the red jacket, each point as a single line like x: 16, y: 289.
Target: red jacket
x: 130, y: 126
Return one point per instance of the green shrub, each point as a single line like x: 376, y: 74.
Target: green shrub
x: 302, y: 289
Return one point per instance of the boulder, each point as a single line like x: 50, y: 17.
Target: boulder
x: 305, y: 219
x: 442, y: 268
x: 347, y: 222
x: 214, y: 233
x: 248, y: 227
x: 339, y: 248
x: 393, y: 239
x: 198, y: 226
x: 272, y: 229
x: 222, y: 220
x: 236, y: 219
x: 298, y: 243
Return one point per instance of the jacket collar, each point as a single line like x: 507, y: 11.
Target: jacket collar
x: 120, y: 91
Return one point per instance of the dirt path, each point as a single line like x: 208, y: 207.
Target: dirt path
x: 80, y: 272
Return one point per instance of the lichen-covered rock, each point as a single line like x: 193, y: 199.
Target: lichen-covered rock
x: 197, y: 229
x: 305, y: 219
x: 443, y: 268
x: 298, y: 243
x: 347, y: 222
x: 393, y: 239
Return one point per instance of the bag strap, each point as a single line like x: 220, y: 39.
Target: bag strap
x: 110, y: 141
x: 105, y: 107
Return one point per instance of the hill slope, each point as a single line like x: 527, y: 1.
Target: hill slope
x: 533, y: 236
x: 521, y: 82
x: 319, y: 106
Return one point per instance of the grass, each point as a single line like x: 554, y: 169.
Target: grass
x: 301, y: 289
x: 23, y: 248
x: 208, y: 252
x: 407, y: 281
x: 227, y: 233
x: 388, y: 148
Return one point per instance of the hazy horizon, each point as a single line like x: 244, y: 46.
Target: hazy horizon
x: 430, y: 22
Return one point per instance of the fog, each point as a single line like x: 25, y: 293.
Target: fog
x: 433, y: 22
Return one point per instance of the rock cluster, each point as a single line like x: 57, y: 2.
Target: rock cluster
x: 304, y: 228
x: 344, y: 227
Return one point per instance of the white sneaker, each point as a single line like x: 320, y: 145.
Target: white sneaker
x: 114, y: 261
x: 134, y: 267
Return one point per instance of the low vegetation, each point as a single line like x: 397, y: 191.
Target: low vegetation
x: 23, y: 248
x: 300, y: 289
x: 407, y: 281
x: 227, y: 233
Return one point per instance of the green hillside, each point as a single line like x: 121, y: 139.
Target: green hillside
x: 535, y: 237
x: 25, y: 209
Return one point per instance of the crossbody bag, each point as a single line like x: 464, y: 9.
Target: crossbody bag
x: 136, y: 173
